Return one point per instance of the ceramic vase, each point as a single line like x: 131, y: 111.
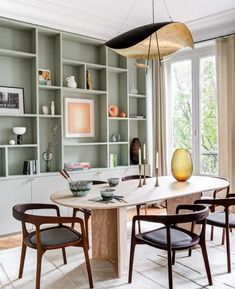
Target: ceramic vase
x: 181, y: 165
x: 134, y: 151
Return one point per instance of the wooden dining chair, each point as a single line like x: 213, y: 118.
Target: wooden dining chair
x: 87, y: 213
x: 223, y: 219
x: 53, y: 237
x: 172, y: 238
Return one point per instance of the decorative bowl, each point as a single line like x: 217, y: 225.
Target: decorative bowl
x: 80, y: 188
x: 19, y: 130
x: 107, y: 194
x: 113, y: 182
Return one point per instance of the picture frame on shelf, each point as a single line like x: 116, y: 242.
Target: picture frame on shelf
x: 79, y: 117
x: 44, y: 77
x: 11, y: 100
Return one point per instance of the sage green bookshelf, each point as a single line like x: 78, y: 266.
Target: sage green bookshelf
x: 26, y: 48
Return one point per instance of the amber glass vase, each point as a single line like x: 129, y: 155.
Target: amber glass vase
x: 181, y: 165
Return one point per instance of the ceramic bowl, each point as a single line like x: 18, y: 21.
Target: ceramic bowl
x: 19, y: 130
x: 113, y: 182
x: 107, y: 194
x: 80, y: 188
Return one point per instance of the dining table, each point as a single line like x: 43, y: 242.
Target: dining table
x: 109, y: 218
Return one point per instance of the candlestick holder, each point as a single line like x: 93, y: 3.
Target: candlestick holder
x: 140, y: 183
x: 156, y: 184
x: 144, y: 181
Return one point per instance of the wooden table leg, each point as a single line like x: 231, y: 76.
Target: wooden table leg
x: 109, y: 236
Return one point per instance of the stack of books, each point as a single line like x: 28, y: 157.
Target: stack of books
x: 30, y: 167
x: 77, y: 166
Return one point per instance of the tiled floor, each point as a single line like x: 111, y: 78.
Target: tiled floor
x: 150, y: 269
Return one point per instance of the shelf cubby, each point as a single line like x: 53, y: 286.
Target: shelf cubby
x: 2, y: 162
x: 98, y: 77
x: 46, y: 97
x: 96, y: 155
x: 17, y: 37
x: 78, y: 71
x: 49, y: 54
x: 118, y: 126
x: 137, y: 77
x: 116, y: 60
x: 117, y: 91
x: 7, y: 123
x: 84, y: 50
x: 121, y: 150
x: 137, y: 107
x: 16, y: 157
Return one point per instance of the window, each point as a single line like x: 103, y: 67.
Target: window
x: 192, y: 108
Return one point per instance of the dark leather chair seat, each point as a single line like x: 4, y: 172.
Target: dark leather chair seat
x: 54, y: 236
x: 218, y: 219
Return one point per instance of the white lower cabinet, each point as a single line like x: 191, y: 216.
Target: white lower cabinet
x: 12, y: 192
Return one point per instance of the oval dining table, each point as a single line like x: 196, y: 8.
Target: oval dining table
x: 109, y: 220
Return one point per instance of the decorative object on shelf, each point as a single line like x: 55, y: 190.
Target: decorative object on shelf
x: 19, y: 131
x: 157, y: 183
x: 115, y: 137
x: 112, y: 160
x: 44, y: 77
x: 122, y: 114
x: 137, y: 116
x: 52, y: 108
x: 133, y: 90
x: 30, y: 167
x: 80, y: 188
x: 11, y: 100
x: 134, y: 151
x: 53, y: 138
x: 45, y: 109
x: 113, y: 110
x: 89, y: 80
x: 113, y: 182
x: 181, y: 165
x: 71, y: 81
x: 79, y: 117
x: 12, y: 142
x: 152, y: 41
x: 77, y: 166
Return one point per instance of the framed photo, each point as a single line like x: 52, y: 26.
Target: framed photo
x: 79, y: 117
x: 11, y: 100
x: 44, y: 77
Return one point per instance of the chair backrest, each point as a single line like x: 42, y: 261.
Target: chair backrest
x: 133, y: 177
x: 227, y: 189
x: 225, y: 202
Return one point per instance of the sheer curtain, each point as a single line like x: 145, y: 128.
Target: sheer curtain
x: 159, y: 118
x: 226, y: 106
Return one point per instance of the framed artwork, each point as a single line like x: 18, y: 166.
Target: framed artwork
x: 44, y: 77
x: 79, y: 117
x: 11, y: 100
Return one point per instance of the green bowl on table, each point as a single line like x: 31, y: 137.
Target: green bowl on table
x: 107, y: 194
x: 80, y: 188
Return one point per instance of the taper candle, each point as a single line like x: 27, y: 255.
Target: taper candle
x: 139, y: 156
x: 156, y: 160
x: 144, y: 152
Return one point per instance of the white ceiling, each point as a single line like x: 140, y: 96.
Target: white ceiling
x: 105, y: 18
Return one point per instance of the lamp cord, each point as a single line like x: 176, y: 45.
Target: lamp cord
x: 127, y: 15
x: 167, y: 10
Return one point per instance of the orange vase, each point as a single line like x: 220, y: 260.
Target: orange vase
x: 181, y: 165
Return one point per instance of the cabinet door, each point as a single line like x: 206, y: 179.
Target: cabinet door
x: 12, y: 192
x: 43, y: 187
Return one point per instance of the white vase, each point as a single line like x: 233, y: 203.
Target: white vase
x: 71, y: 82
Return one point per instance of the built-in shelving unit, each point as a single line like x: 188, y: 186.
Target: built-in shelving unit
x: 24, y: 49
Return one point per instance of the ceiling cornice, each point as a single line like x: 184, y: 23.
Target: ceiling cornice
x: 92, y: 24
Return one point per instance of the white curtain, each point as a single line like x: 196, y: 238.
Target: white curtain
x: 226, y: 107
x: 159, y: 118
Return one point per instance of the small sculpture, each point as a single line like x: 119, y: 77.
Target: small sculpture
x: 88, y: 80
x: 113, y: 110
x: 19, y: 131
x: 122, y: 114
x: 71, y: 82
x: 134, y: 151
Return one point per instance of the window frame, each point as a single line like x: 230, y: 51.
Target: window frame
x: 200, y: 51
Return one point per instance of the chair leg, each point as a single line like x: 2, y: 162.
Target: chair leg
x: 138, y: 213
x: 131, y: 262
x: 173, y: 258
x: 206, y: 261
x: 87, y: 228
x: 88, y: 266
x: 212, y: 233
x: 39, y: 265
x: 170, y: 281
x: 22, y: 258
x: 228, y: 250
x: 223, y: 237
x: 64, y: 256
